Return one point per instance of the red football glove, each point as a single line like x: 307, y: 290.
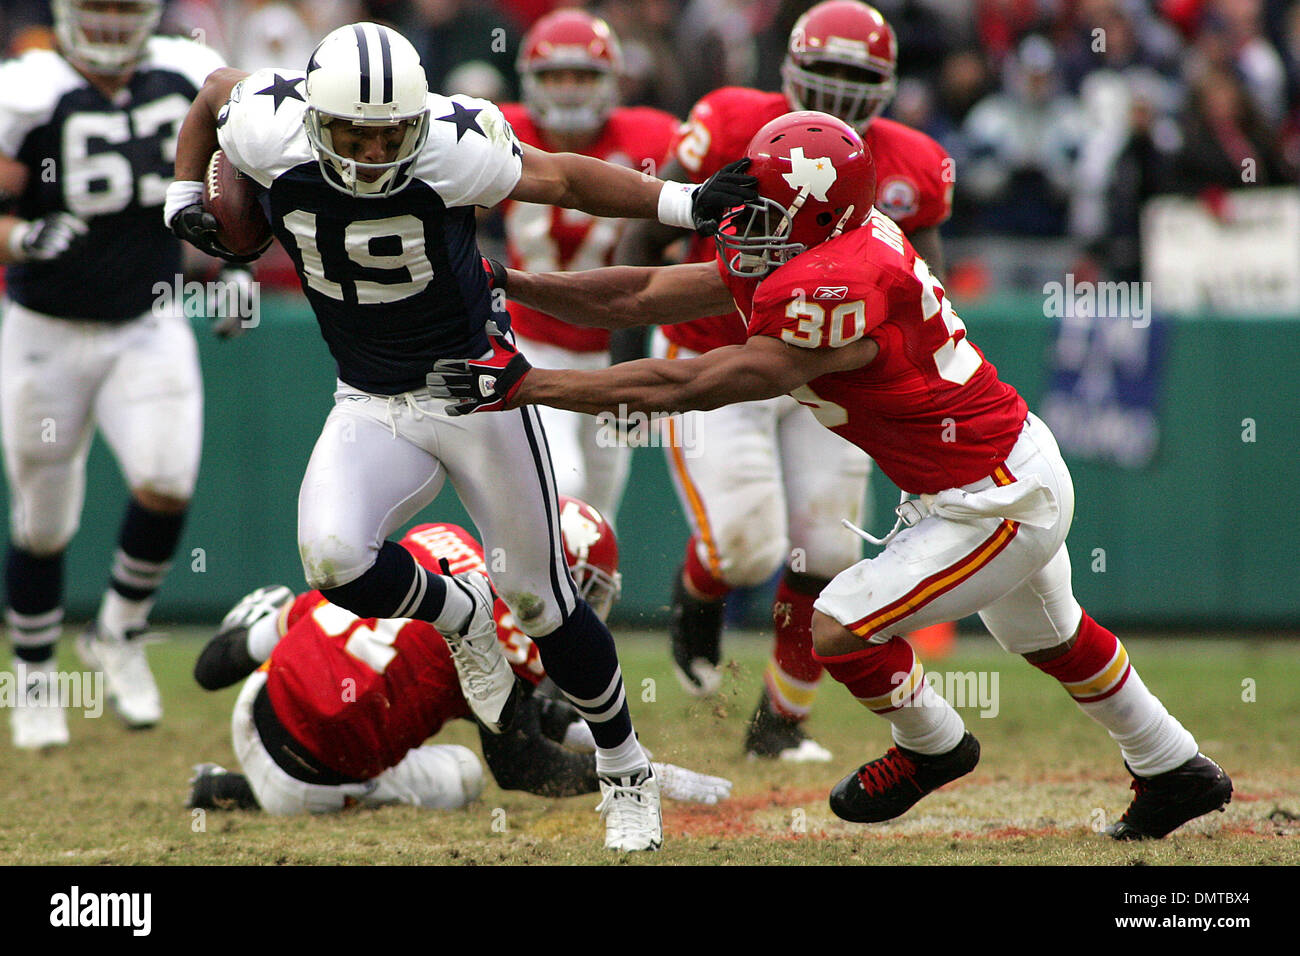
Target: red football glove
x: 481, y: 385
x: 496, y: 273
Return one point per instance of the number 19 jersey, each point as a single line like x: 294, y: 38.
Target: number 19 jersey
x: 396, y: 282
x: 929, y: 409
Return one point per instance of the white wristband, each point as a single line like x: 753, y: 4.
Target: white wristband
x: 675, y: 202
x: 16, y: 236
x: 180, y: 193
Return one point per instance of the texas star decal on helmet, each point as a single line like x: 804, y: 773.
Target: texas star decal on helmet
x: 104, y: 37
x: 366, y: 75
x: 816, y: 179
x: 841, y: 60
x: 576, y: 41
x: 815, y: 174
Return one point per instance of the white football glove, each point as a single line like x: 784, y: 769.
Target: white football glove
x: 234, y: 288
x: 256, y: 605
x: 678, y: 783
x: 47, y: 238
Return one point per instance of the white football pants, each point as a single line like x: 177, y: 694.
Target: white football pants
x: 763, y: 484
x: 435, y: 776
x: 138, y: 381
x: 380, y: 460
x: 591, y: 462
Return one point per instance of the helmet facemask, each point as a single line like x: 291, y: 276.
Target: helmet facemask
x: 596, y: 586
x: 573, y: 108
x: 856, y: 101
x: 103, y: 41
x: 754, y: 238
x: 344, y: 174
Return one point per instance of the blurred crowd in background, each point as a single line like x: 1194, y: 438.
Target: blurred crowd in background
x: 1062, y: 116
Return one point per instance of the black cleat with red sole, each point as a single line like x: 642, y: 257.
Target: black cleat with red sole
x: 1163, y: 803
x: 889, y: 785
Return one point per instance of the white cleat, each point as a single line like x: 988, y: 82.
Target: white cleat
x: 808, y: 751
x: 702, y: 679
x: 630, y: 808
x: 486, y: 678
x: 37, y: 721
x: 127, y: 679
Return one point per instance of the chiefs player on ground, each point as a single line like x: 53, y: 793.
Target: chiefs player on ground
x: 569, y: 65
x: 338, y: 709
x: 843, y: 315
x: 755, y: 481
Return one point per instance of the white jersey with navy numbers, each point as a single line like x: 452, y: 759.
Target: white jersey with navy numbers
x: 396, y: 282
x: 108, y: 162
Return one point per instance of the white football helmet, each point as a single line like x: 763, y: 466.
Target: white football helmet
x: 104, y: 37
x: 365, y: 74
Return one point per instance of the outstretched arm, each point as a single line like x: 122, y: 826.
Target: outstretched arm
x: 581, y: 182
x: 761, y: 368
x: 624, y: 296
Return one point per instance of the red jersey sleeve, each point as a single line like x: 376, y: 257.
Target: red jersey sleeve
x: 915, y: 176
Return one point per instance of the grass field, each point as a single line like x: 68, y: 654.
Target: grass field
x: 1048, y: 780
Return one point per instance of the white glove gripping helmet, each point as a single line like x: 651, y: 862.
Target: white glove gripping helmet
x: 102, y: 37
x: 365, y: 74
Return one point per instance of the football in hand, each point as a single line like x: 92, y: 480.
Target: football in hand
x: 232, y: 198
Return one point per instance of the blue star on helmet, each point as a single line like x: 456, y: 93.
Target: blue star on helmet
x: 464, y: 120
x: 282, y: 89
x: 815, y: 174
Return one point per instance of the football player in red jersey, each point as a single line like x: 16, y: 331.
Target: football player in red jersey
x: 754, y: 479
x: 337, y: 709
x: 843, y: 315
x: 569, y: 65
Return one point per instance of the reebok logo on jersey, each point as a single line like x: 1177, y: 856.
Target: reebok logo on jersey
x: 816, y: 174
x: 831, y: 292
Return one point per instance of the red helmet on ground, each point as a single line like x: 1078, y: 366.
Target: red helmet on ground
x: 570, y: 40
x: 592, y: 553
x: 841, y: 60
x: 816, y: 179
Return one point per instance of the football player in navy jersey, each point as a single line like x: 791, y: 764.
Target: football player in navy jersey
x: 370, y: 183
x: 87, y: 142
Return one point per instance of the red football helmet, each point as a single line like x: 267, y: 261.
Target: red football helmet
x: 570, y: 40
x: 841, y: 60
x: 816, y: 179
x: 592, y: 552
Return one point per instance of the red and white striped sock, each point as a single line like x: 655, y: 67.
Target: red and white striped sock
x: 889, y: 680
x: 1097, y: 673
x: 792, y: 673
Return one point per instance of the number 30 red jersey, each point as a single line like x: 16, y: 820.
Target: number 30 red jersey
x: 550, y: 239
x: 359, y: 693
x: 914, y: 181
x: 929, y: 409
